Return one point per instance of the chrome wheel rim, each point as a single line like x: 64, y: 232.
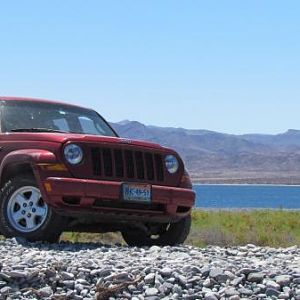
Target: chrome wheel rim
x: 26, y: 210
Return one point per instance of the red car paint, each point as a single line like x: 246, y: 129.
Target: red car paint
x: 76, y: 191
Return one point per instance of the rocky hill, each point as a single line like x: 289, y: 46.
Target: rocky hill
x: 217, y: 156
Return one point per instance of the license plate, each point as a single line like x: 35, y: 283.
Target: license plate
x: 136, y: 192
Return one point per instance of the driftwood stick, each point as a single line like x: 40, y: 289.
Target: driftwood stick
x: 104, y: 292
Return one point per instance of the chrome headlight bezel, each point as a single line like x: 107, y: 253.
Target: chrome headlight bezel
x: 171, y: 163
x: 73, y: 154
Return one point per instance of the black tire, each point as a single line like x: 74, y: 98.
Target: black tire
x: 172, y: 234
x: 51, y: 225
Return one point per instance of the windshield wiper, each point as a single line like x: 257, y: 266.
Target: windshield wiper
x: 38, y: 130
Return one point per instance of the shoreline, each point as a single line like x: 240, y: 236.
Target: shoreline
x: 247, y: 181
x: 246, y: 177
x: 245, y: 209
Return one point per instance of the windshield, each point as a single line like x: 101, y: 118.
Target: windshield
x: 38, y: 117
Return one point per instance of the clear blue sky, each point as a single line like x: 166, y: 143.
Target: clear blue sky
x: 230, y: 66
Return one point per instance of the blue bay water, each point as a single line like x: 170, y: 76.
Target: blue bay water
x: 247, y: 196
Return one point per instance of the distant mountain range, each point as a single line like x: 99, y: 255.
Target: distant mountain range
x: 217, y: 157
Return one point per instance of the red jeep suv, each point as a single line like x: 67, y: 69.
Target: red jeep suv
x: 63, y: 168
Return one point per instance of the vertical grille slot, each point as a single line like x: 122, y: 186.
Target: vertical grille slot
x: 139, y: 165
x: 159, y: 167
x: 96, y: 158
x: 107, y: 162
x: 129, y: 164
x: 149, y: 166
x: 119, y: 169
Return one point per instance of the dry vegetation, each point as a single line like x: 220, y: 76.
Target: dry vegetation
x: 277, y: 228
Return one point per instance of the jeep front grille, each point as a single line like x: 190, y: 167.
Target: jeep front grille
x: 127, y: 164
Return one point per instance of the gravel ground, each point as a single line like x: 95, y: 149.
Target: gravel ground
x: 95, y: 271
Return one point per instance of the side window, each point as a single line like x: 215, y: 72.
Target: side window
x: 61, y: 124
x: 89, y: 126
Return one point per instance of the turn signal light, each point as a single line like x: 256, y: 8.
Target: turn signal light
x: 185, y: 181
x: 48, y: 187
x: 53, y: 167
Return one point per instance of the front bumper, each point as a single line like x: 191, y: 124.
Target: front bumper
x: 73, y: 197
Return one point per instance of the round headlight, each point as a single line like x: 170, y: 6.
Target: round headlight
x: 172, y: 164
x: 73, y: 154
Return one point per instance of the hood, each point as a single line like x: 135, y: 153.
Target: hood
x: 80, y: 138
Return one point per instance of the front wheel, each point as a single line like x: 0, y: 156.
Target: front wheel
x: 167, y: 235
x: 24, y: 213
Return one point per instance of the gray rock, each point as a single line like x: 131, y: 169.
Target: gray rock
x: 67, y: 276
x: 245, y: 292
x: 149, y: 279
x: 218, y: 275
x: 206, y: 290
x: 283, y: 279
x: 151, y: 292
x: 236, y: 281
x: 17, y: 274
x: 230, y: 275
x: 82, y: 281
x: 261, y: 296
x: 286, y: 289
x: 182, y: 280
x: 210, y: 296
x: 195, y: 270
x: 296, y: 280
x: 84, y: 293
x: 124, y: 276
x: 166, y: 272
x: 222, y: 278
x: 5, y: 290
x: 131, y: 288
x: 78, y: 287
x: 5, y: 277
x: 262, y: 288
x: 246, y: 271
x: 255, y: 277
x: 283, y: 296
x: 207, y: 283
x: 27, y: 294
x: 70, y: 294
x: 50, y: 272
x: 171, y: 280
x: 215, y: 272
x: 177, y: 289
x: 168, y: 286
x: 69, y: 284
x: 159, y: 279
x: 46, y: 291
x: 100, y: 272
x: 154, y: 249
x: 231, y: 292
x: 272, y: 292
x: 204, y: 271
x: 273, y: 285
